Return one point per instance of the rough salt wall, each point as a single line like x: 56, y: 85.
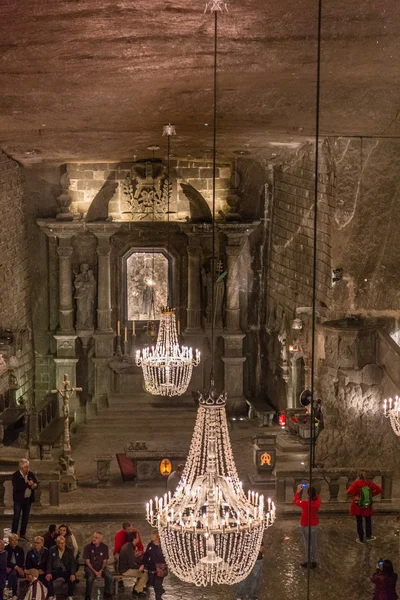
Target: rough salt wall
x: 15, y: 311
x: 96, y: 191
x: 355, y: 434
x: 366, y: 241
x: 42, y: 185
x: 291, y: 257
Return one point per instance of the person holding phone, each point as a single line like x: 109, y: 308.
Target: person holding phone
x: 24, y: 484
x: 309, y: 521
x: 385, y: 580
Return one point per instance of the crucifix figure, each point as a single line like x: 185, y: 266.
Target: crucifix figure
x: 66, y: 393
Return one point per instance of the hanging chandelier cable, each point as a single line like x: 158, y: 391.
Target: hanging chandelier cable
x: 214, y: 178
x: 210, y: 530
x: 314, y: 286
x: 167, y: 367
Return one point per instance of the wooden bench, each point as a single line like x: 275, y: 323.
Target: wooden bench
x: 262, y: 410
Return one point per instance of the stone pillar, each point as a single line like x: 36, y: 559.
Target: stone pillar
x: 194, y: 292
x: 233, y: 359
x: 104, y: 334
x: 65, y: 298
x: 193, y: 335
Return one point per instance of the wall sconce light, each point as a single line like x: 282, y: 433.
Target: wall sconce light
x: 295, y: 347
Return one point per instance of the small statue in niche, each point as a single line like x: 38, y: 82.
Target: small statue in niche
x: 219, y: 293
x: 85, y: 293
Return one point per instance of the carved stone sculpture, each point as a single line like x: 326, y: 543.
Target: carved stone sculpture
x: 219, y: 294
x: 85, y: 294
x: 146, y: 190
x: 199, y: 210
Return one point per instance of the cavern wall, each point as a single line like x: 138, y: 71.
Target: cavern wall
x: 15, y: 313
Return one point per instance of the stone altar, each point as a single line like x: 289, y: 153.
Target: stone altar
x: 147, y: 457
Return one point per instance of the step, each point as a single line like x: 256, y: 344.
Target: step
x: 287, y: 443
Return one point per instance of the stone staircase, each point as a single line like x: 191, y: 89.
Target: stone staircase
x: 132, y: 417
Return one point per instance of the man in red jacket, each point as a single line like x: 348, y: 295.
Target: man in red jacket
x: 362, y: 491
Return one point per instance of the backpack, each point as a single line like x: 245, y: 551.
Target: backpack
x: 365, y: 498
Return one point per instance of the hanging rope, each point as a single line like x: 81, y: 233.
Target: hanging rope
x: 213, y: 196
x: 314, y: 287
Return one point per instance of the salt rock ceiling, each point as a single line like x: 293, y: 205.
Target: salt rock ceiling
x: 97, y: 79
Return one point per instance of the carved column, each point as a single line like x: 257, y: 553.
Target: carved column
x: 193, y: 335
x: 104, y: 334
x: 104, y: 283
x: 65, y: 298
x: 194, y: 292
x: 233, y: 359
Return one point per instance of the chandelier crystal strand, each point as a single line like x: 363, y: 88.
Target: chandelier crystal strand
x: 391, y: 410
x: 210, y: 531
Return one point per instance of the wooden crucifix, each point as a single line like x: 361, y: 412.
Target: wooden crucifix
x: 66, y: 392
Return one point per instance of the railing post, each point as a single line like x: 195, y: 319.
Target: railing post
x: 386, y: 495
x: 333, y: 489
x: 280, y: 489
x: 2, y: 492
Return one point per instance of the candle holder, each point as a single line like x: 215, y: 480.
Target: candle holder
x: 126, y: 350
x: 118, y: 349
x: 133, y: 347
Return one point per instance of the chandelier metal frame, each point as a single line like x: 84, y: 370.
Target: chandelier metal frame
x: 167, y: 367
x: 391, y: 410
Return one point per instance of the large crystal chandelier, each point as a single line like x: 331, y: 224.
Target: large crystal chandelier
x: 210, y: 530
x: 167, y: 367
x: 391, y: 410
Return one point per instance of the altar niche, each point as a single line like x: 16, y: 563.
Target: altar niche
x: 146, y: 277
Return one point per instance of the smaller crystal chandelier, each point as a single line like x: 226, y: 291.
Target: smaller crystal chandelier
x: 216, y: 6
x: 167, y: 368
x: 391, y: 410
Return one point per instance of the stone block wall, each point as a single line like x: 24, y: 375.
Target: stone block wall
x: 96, y: 191
x: 15, y: 311
x: 291, y: 249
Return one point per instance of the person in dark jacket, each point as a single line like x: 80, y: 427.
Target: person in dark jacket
x: 130, y: 559
x: 50, y: 536
x: 359, y: 512
x: 15, y: 562
x: 24, y: 484
x: 3, y: 568
x: 385, y: 580
x: 61, y: 564
x: 153, y: 557
x: 96, y: 557
x: 37, y: 557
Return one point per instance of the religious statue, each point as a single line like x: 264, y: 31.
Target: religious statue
x: 85, y: 293
x: 147, y: 300
x: 219, y: 293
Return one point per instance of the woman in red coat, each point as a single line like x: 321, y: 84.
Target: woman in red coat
x: 361, y: 506
x: 385, y: 580
x: 309, y: 522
